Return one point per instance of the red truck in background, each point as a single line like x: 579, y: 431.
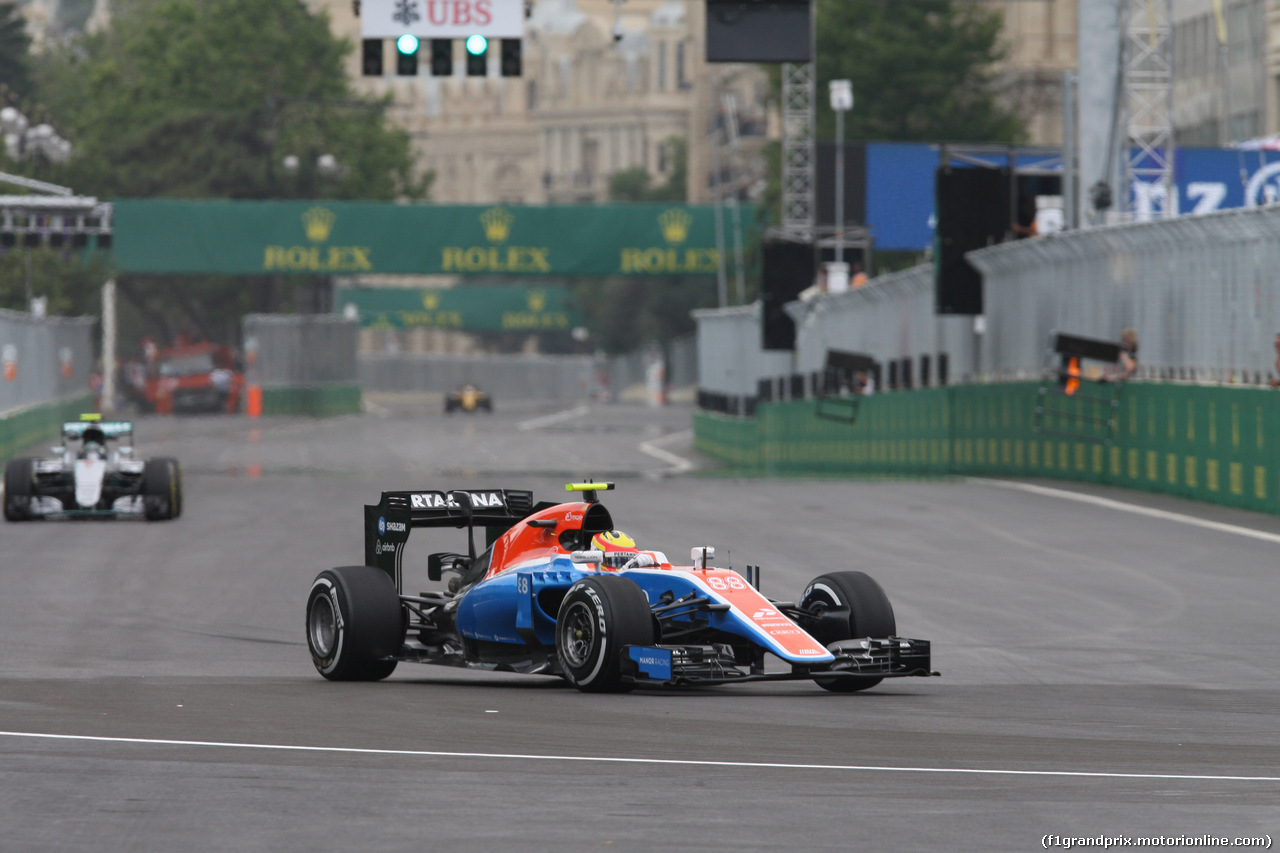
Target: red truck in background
x: 188, y: 378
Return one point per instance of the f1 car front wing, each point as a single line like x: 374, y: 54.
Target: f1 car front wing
x: 892, y: 657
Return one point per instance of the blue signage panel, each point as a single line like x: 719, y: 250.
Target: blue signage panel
x: 900, y: 204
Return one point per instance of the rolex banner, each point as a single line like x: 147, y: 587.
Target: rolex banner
x: 350, y: 238
x: 479, y: 308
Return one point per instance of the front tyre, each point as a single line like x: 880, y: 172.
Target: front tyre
x: 851, y: 605
x: 19, y: 483
x: 598, y: 617
x: 355, y: 624
x: 161, y: 489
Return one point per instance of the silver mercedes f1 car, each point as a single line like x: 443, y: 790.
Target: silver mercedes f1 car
x: 93, y: 474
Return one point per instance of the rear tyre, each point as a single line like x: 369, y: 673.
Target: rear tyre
x: 597, y: 618
x: 161, y: 489
x: 355, y: 624
x: 853, y: 606
x: 19, y: 483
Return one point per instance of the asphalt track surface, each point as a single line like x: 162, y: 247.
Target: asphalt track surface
x: 1105, y: 672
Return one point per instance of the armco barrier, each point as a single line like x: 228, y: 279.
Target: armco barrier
x: 303, y: 364
x: 314, y: 400
x: 1219, y: 444
x: 22, y: 428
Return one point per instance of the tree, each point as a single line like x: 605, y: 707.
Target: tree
x: 202, y: 98
x: 630, y: 184
x: 636, y: 184
x: 921, y: 70
x: 15, y: 46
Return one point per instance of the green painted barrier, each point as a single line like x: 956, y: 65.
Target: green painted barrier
x: 1219, y: 444
x: 24, y: 428
x: 312, y: 400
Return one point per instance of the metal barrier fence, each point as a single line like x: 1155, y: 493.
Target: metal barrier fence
x: 892, y: 320
x: 730, y: 357
x: 1200, y: 291
x: 43, y: 359
x: 560, y: 378
x: 631, y: 369
x: 300, y: 350
x: 548, y: 377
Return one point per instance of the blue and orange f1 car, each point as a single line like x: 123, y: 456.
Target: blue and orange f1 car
x: 539, y: 599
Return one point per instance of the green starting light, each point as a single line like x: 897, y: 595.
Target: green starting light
x: 407, y: 43
x: 477, y: 45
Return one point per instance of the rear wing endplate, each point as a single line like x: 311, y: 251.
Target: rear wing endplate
x: 387, y: 523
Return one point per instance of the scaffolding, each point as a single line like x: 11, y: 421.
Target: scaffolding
x: 1148, y: 145
x: 798, y: 150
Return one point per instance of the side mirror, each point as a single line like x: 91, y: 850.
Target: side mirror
x: 702, y: 553
x: 435, y: 567
x: 580, y: 557
x: 438, y: 564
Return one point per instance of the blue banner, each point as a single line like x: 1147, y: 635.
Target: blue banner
x: 900, y: 204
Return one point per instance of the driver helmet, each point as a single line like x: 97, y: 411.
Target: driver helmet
x: 94, y: 441
x: 619, y: 549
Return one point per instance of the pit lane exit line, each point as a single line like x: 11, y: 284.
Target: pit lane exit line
x: 1108, y: 503
x: 679, y: 464
x: 547, y: 420
x: 667, y: 762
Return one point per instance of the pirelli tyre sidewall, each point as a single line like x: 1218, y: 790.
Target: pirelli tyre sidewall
x: 19, y: 483
x: 864, y: 611
x: 175, y: 488
x: 161, y: 489
x: 355, y: 624
x: 598, y: 617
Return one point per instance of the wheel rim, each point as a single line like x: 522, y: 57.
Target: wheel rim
x: 324, y: 626
x: 577, y: 634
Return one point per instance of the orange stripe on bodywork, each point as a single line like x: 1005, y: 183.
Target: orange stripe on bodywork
x: 758, y: 610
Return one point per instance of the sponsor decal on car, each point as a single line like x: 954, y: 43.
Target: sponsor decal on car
x: 652, y: 663
x: 437, y: 500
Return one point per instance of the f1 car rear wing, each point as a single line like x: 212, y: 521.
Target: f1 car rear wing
x: 387, y: 523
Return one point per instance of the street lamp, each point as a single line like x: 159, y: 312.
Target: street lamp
x: 326, y: 165
x: 841, y: 103
x: 22, y: 141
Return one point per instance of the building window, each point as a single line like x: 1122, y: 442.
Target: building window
x: 662, y: 66
x: 682, y: 81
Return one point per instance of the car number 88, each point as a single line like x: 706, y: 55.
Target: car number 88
x: 721, y: 584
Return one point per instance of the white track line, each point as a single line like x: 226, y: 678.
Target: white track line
x: 547, y: 420
x: 678, y: 464
x: 1108, y: 503
x: 667, y: 762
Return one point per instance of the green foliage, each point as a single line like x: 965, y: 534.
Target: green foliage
x: 15, y: 48
x: 71, y: 281
x: 677, y: 186
x: 636, y: 184
x: 202, y: 99
x: 630, y: 184
x: 626, y: 313
x: 921, y: 70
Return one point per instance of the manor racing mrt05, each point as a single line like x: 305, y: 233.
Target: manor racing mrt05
x: 545, y: 597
